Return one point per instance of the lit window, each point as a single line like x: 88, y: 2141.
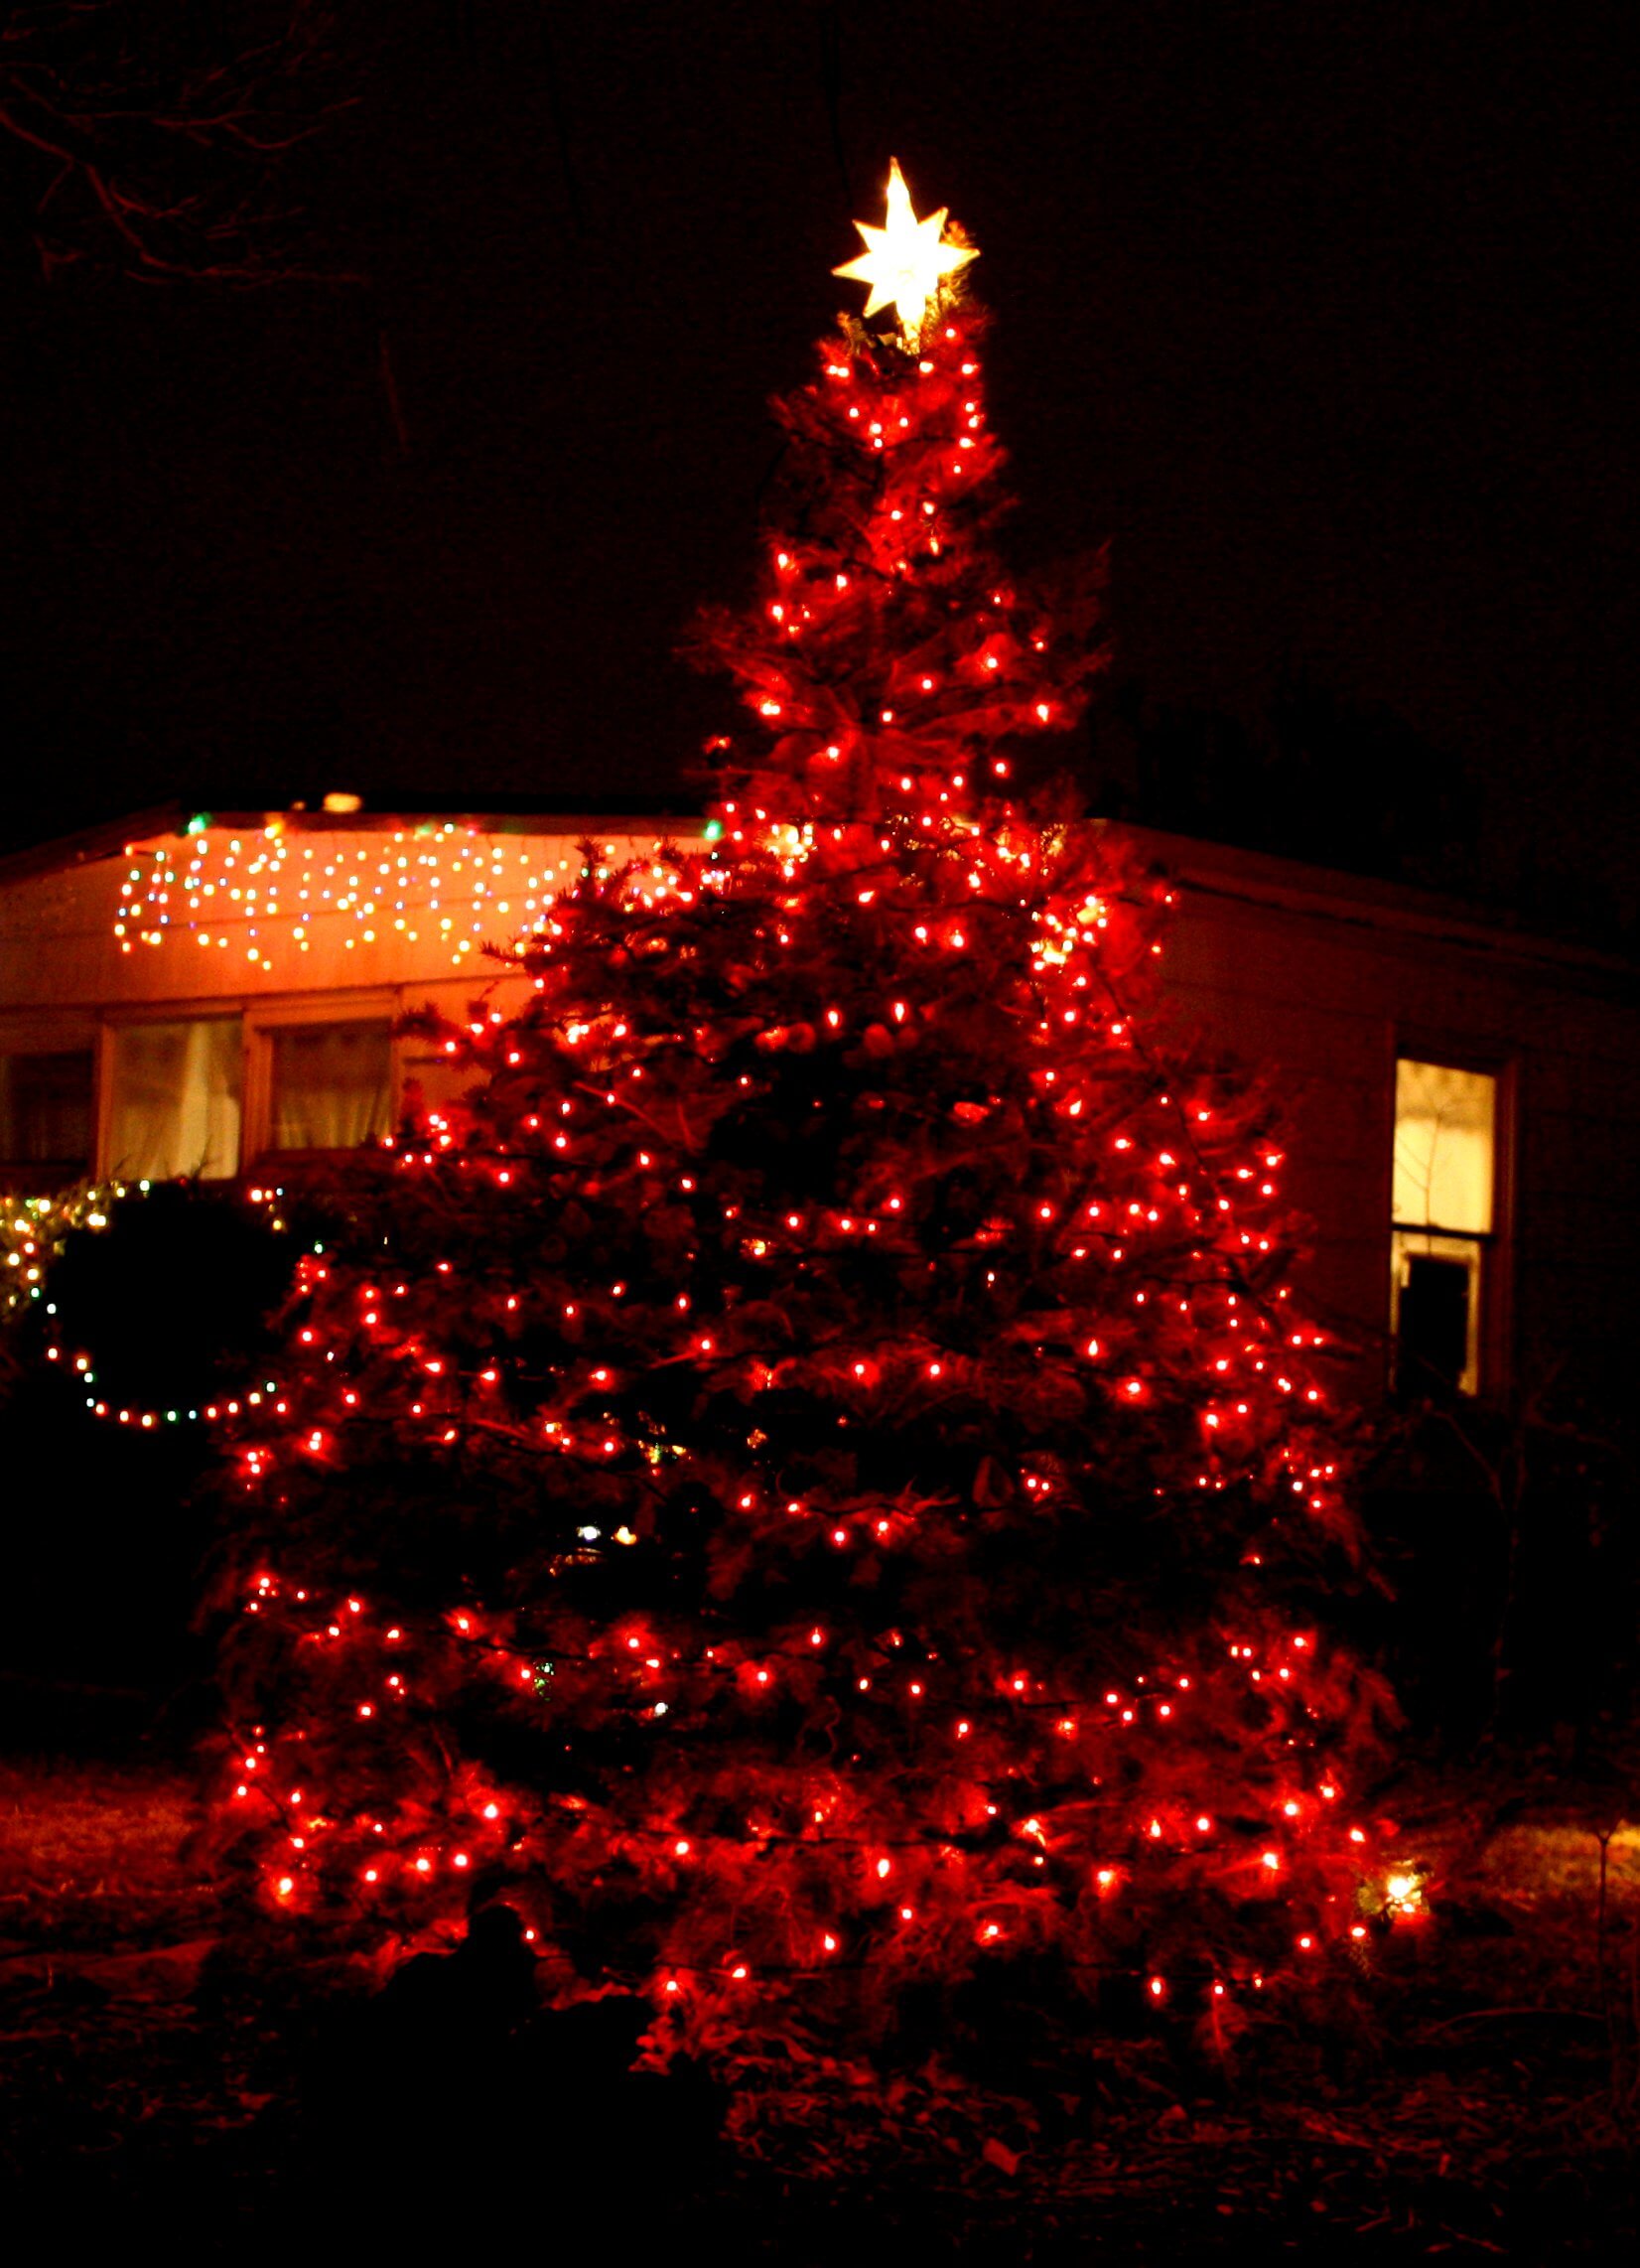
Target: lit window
x: 1446, y: 1135
x: 332, y: 1084
x: 174, y: 1104
x: 45, y: 1117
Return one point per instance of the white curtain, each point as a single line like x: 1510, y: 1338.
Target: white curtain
x: 332, y: 1084
x: 176, y: 1099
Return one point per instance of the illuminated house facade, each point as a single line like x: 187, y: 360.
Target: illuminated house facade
x: 1464, y: 1098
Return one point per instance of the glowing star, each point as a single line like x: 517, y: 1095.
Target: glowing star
x: 905, y: 261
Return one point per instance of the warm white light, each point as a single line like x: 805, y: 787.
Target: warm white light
x: 1402, y: 1893
x: 905, y: 261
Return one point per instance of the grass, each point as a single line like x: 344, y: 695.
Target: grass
x: 91, y: 1854
x: 155, y: 2041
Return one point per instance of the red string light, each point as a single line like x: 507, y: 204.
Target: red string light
x: 823, y: 1408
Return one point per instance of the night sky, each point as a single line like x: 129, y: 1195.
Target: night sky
x: 1322, y: 315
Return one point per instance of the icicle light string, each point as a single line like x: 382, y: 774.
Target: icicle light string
x: 276, y: 883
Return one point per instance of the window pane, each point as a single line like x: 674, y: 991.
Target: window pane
x: 174, y: 1107
x: 46, y: 1111
x: 429, y: 1084
x: 1437, y: 1319
x: 332, y: 1084
x: 1443, y: 1140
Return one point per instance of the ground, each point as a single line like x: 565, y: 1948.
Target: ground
x: 158, y: 2049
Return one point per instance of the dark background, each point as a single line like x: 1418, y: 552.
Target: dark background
x: 1323, y: 315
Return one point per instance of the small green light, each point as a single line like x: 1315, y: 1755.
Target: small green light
x: 197, y: 824
x: 713, y: 830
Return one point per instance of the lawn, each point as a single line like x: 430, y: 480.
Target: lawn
x: 160, y: 2046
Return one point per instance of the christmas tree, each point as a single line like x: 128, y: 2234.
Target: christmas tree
x: 810, y: 1483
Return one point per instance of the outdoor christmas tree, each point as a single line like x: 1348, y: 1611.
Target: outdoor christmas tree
x: 810, y: 1483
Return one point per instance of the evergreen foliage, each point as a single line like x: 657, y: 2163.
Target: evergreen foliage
x: 809, y: 1484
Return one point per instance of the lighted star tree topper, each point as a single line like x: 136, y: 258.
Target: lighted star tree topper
x: 906, y: 262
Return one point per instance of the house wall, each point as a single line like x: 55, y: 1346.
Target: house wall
x: 1325, y: 980
x: 68, y: 980
x: 1318, y: 979
x: 59, y: 951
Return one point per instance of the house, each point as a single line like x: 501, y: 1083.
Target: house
x: 220, y: 994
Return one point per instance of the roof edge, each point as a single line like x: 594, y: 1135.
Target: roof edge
x: 1213, y: 869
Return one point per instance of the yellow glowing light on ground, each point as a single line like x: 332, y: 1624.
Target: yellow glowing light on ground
x: 907, y: 260
x: 1403, y: 1893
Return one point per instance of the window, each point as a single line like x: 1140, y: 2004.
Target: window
x: 46, y: 1116
x: 332, y: 1084
x: 174, y: 1103
x: 429, y: 1083
x: 1446, y: 1141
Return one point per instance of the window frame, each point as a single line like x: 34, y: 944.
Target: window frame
x: 1495, y: 1247
x: 113, y: 1021
x: 262, y: 1019
x: 259, y: 1019
x: 73, y: 1034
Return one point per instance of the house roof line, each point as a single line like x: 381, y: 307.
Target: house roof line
x: 1360, y: 901
x: 1206, y: 869
x: 113, y: 838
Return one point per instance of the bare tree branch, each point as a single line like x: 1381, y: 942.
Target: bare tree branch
x: 156, y: 137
